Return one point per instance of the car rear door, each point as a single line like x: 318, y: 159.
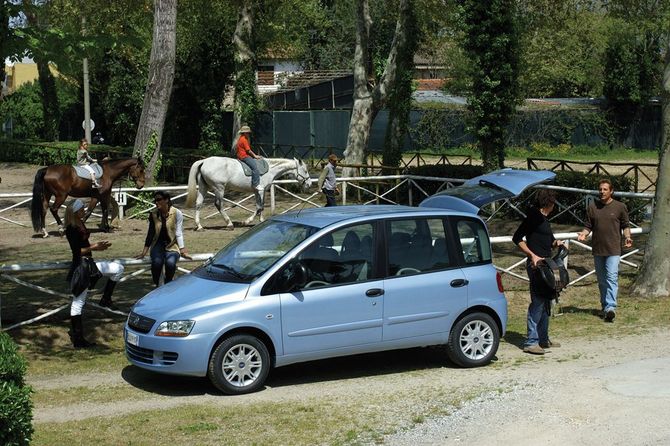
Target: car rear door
x: 424, y: 288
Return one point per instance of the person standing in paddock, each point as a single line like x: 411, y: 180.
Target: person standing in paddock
x: 328, y: 181
x: 78, y: 238
x: 539, y: 240
x: 165, y: 238
x: 606, y: 219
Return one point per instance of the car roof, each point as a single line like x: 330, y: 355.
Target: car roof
x: 326, y: 216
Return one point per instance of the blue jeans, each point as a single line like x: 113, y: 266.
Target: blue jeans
x: 607, y: 271
x: 255, y: 176
x: 537, y: 321
x: 160, y: 257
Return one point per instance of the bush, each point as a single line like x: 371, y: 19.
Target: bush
x: 15, y: 404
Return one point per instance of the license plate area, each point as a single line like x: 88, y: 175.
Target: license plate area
x: 132, y: 339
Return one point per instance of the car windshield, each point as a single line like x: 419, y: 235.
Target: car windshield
x: 252, y: 253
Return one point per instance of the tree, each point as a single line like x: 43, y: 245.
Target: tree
x: 400, y: 96
x: 563, y: 43
x: 369, y: 99
x: 654, y: 277
x: 246, y: 99
x: 159, y: 84
x: 493, y: 47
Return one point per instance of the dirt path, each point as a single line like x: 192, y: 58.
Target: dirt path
x: 608, y: 390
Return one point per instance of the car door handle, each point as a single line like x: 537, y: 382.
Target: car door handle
x: 457, y: 283
x: 374, y: 292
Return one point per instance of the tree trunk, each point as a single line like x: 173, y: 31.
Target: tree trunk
x: 654, y: 277
x: 246, y: 99
x: 368, y: 100
x: 159, y: 84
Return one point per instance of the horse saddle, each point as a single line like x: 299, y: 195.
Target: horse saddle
x: 85, y: 173
x: 262, y: 164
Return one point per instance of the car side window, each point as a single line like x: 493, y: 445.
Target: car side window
x: 417, y: 246
x: 340, y: 257
x: 474, y: 241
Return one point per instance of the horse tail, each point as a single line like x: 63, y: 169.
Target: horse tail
x: 36, y: 206
x: 193, y: 176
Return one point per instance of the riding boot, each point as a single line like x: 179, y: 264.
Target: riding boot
x: 106, y: 300
x: 77, y: 333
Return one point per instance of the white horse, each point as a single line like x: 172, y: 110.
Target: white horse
x: 216, y: 172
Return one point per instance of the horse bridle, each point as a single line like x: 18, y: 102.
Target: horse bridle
x: 301, y: 178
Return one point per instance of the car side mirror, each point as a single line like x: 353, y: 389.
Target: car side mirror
x: 295, y: 276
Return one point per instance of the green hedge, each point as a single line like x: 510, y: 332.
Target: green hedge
x: 15, y: 405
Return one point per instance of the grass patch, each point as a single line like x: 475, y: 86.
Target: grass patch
x: 294, y: 423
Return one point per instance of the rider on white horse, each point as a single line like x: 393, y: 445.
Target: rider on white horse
x: 248, y: 157
x: 84, y: 159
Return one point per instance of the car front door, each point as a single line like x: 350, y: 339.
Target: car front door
x: 340, y: 305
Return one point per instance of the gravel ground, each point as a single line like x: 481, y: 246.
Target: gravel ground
x: 618, y: 394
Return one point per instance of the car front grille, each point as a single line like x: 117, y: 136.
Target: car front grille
x: 148, y: 356
x: 140, y: 323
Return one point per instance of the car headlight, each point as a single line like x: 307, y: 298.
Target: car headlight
x: 175, y: 328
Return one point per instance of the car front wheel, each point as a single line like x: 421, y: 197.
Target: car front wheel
x: 240, y: 364
x: 474, y: 340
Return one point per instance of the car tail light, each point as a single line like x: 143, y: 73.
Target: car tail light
x: 499, y: 281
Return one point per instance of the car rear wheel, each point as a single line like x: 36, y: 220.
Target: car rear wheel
x: 474, y: 340
x: 240, y: 364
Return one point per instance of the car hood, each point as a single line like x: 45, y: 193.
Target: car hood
x: 189, y: 296
x: 484, y: 189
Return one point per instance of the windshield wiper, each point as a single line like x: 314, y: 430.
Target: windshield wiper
x: 233, y: 272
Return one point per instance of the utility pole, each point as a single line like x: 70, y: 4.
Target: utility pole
x: 87, y: 102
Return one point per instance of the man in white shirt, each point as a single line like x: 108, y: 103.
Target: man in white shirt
x: 328, y: 182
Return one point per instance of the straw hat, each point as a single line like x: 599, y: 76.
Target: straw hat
x: 244, y: 129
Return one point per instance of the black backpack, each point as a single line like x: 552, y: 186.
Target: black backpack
x: 553, y: 273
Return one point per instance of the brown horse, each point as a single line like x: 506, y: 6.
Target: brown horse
x: 61, y: 181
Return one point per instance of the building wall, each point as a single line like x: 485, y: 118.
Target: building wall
x: 19, y: 74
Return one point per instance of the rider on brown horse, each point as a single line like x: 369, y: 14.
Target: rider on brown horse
x: 61, y: 181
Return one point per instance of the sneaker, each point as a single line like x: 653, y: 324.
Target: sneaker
x: 610, y: 315
x: 534, y: 350
x: 550, y: 344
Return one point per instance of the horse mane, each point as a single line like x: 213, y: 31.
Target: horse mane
x: 140, y: 162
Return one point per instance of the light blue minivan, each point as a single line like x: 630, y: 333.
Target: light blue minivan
x: 326, y: 282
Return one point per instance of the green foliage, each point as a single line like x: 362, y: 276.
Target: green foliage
x: 563, y: 43
x: 211, y: 136
x: 25, y: 110
x: 246, y: 99
x: 15, y: 404
x: 24, y: 107
x: 632, y: 65
x: 152, y: 146
x: 399, y: 100
x: 438, y: 129
x: 493, y: 46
